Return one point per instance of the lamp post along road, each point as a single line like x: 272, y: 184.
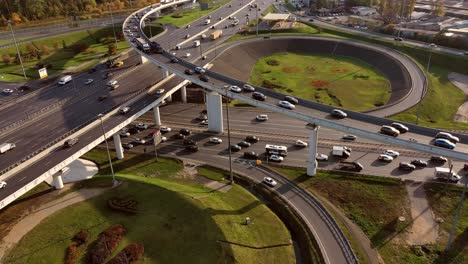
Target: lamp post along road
x: 17, y: 49
x: 114, y: 181
x: 231, y: 177
x: 427, y: 84
x: 113, y: 25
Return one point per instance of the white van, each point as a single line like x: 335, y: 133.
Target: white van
x: 196, y: 43
x: 65, y: 79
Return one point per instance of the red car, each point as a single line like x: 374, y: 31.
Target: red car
x: 465, y: 167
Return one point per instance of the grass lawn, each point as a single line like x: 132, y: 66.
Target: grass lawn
x: 10, y: 40
x: 59, y: 57
x: 334, y: 80
x: 183, y: 18
x: 373, y: 203
x: 212, y: 173
x: 178, y: 221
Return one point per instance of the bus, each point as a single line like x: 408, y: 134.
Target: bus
x: 142, y: 45
x: 276, y: 150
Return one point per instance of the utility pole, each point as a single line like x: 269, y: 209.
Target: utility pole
x: 231, y: 177
x: 427, y: 84
x: 457, y: 215
x: 256, y: 16
x: 113, y: 25
x: 17, y: 49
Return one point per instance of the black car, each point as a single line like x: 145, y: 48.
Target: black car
x: 202, y: 117
x: 250, y: 155
x: 258, y: 96
x: 133, y: 130
x: 252, y: 139
x: 244, y: 144
x: 102, y: 97
x: 204, y: 78
x: 235, y: 148
x: 189, y: 142
x: 438, y: 159
x: 192, y: 148
x: 91, y: 70
x: 179, y: 136
x: 185, y: 132
x: 174, y: 60
x: 419, y: 163
x: 291, y: 99
x: 127, y: 146
x: 189, y: 72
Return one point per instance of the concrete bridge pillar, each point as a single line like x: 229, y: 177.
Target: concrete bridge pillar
x: 183, y: 94
x: 166, y: 74
x: 118, y: 146
x: 312, y: 162
x: 143, y: 60
x: 215, y: 112
x: 157, y: 117
x: 168, y: 98
x: 57, y: 180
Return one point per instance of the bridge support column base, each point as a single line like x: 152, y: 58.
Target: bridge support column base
x: 143, y: 60
x: 166, y: 74
x: 215, y: 112
x: 312, y: 162
x: 183, y: 94
x: 168, y: 98
x: 157, y: 117
x: 57, y: 181
x: 118, y: 146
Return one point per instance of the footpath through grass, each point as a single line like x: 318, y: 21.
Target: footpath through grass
x: 178, y: 220
x: 182, y: 18
x: 334, y: 80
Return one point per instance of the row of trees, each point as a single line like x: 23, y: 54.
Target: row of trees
x: 21, y: 11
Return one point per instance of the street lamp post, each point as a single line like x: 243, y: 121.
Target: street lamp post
x: 112, y: 20
x: 231, y: 177
x: 256, y: 17
x: 427, y: 84
x: 457, y: 215
x: 17, y: 49
x: 114, y: 181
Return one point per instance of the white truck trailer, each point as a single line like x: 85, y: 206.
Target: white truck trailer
x: 6, y: 147
x: 444, y: 174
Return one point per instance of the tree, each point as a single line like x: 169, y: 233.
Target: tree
x: 389, y: 10
x: 439, y: 9
x: 45, y: 49
x: 111, y: 49
x: 6, y: 58
x: 16, y: 18
x: 321, y: 4
x: 32, y: 51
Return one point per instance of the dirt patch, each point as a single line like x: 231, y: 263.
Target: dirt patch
x: 290, y: 69
x: 319, y: 83
x: 271, y: 85
x: 310, y: 69
x: 339, y: 70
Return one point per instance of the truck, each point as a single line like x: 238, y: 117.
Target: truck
x: 207, y: 21
x: 341, y: 151
x: 65, y: 79
x: 6, y: 147
x: 444, y: 174
x: 142, y: 44
x: 196, y: 43
x: 216, y: 34
x: 350, y: 166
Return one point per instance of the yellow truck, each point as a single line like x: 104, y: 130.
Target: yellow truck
x: 216, y: 34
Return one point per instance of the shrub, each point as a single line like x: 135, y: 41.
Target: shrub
x: 6, y: 58
x: 106, y: 242
x: 130, y: 254
x: 79, y: 47
x: 73, y: 251
x: 81, y: 238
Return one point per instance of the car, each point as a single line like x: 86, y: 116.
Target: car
x: 72, y: 141
x: 160, y: 91
x: 261, y: 117
x: 213, y: 27
x: 398, y: 39
x: 406, y: 166
x: 188, y: 26
x: 204, y: 78
x: 185, y: 132
x: 338, y: 113
x: 189, y: 142
x: 163, y: 139
x: 400, y: 127
x: 385, y: 158
x: 391, y: 153
x: 276, y: 158
x: 139, y: 141
x: 252, y: 139
x: 244, y: 144
x: 89, y: 81
x: 7, y: 91
x: 164, y: 129
x: 124, y: 133
x: 118, y: 64
x: 269, y: 181
x: 419, y: 163
x: 258, y: 96
x: 444, y: 143
x: 187, y: 55
x: 215, y: 140
x: 388, y: 130
x: 91, y: 70
x: 349, y: 137
x: 248, y: 88
x: 107, y: 75
x: 465, y: 166
x: 115, y: 86
x: 432, y: 45
x: 141, y: 126
x: 204, y: 123
x: 291, y: 99
x: 187, y: 36
x: 438, y: 159
x: 300, y: 143
x: 133, y: 130
x: 235, y: 89
x: 174, y: 60
x: 124, y: 110
x: 448, y: 136
x: 321, y: 157
x: 189, y: 72
x: 286, y: 104
x: 250, y: 155
x: 200, y: 70
x: 235, y: 148
x: 465, y: 53
x: 112, y: 83
x: 102, y: 97
x: 127, y: 146
x: 202, y: 117
x: 179, y: 136
x: 2, y: 184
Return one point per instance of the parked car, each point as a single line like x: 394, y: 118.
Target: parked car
x: 204, y: 78
x: 385, y: 158
x: 252, y: 139
x: 200, y: 70
x: 102, y: 97
x: 338, y: 113
x: 141, y: 126
x: 258, y: 96
x: 444, y: 143
x: 291, y: 99
x: 185, y: 132
x: 164, y: 129
x: 215, y: 140
x: 286, y: 104
x: 187, y: 55
x: 202, y: 117
x: 269, y: 181
x: 400, y: 127
x: 349, y: 137
x: 174, y: 60
x: 448, y: 136
x: 321, y: 157
x: 250, y: 155
x: 438, y: 159
x: 127, y: 146
x: 189, y: 142
x: 89, y: 81
x: 388, y: 130
x: 204, y: 123
x: 124, y: 133
x: 72, y: 141
x: 300, y: 143
x: 139, y: 141
x: 276, y: 158
x: 391, y: 153
x: 419, y: 163
x: 248, y: 88
x: 244, y: 144
x: 262, y: 118
x: 406, y: 166
x: 189, y: 72
x: 192, y: 148
x: 133, y: 130
x: 235, y: 148
x: 235, y: 89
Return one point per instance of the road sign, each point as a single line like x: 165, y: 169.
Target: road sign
x: 42, y: 73
x: 157, y: 138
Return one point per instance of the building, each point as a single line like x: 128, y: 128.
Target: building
x: 363, y: 10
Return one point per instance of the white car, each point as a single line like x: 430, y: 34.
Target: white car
x: 7, y: 91
x: 141, y: 126
x: 187, y: 55
x: 200, y: 70
x: 248, y: 88
x: 89, y: 81
x: 385, y: 158
x: 432, y: 45
x: 262, y: 117
x: 391, y: 153
x: 286, y: 104
x: 163, y: 139
x: 204, y: 123
x: 235, y: 89
x: 301, y: 143
x: 124, y: 133
x: 276, y: 158
x: 2, y: 184
x: 165, y: 129
x: 160, y: 91
x: 269, y: 181
x: 215, y: 140
x: 112, y: 82
x: 187, y: 36
x: 321, y: 157
x: 139, y: 141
